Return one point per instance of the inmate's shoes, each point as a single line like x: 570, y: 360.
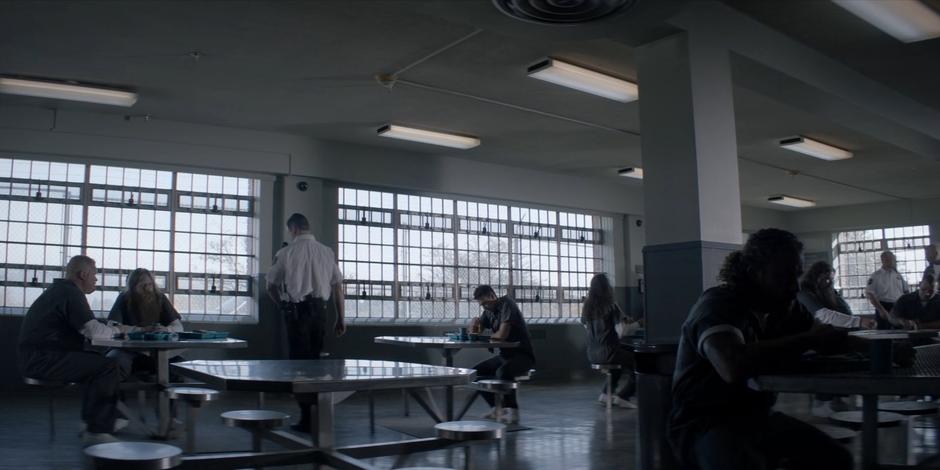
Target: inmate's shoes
x: 92, y: 438
x: 624, y: 403
x: 490, y: 415
x: 602, y: 400
x: 821, y: 409
x: 837, y: 404
x: 119, y: 424
x: 510, y: 416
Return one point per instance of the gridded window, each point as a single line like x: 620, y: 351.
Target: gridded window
x: 419, y: 258
x: 41, y: 220
x: 857, y: 254
x: 367, y: 253
x: 197, y: 233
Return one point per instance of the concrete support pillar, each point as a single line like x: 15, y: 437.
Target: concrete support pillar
x: 691, y: 191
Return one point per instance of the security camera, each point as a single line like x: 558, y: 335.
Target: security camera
x: 302, y: 185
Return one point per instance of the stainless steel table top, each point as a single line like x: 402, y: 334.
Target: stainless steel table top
x: 227, y: 343
x: 311, y: 376
x: 443, y: 342
x: 923, y: 378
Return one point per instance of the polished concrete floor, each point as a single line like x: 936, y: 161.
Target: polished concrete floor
x: 569, y: 430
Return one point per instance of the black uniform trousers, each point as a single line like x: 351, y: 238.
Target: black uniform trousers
x: 306, y: 329
x: 99, y: 376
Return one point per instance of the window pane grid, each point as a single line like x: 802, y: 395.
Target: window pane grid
x: 442, y: 248
x: 130, y: 224
x: 857, y: 254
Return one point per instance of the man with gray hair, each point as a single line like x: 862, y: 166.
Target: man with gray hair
x: 52, y: 341
x: 303, y: 279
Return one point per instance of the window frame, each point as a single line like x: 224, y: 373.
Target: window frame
x: 457, y: 293
x: 850, y: 282
x: 246, y: 285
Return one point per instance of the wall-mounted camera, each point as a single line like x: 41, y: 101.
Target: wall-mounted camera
x: 302, y: 185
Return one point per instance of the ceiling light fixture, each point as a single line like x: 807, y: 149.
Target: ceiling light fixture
x: 906, y: 20
x: 582, y: 79
x: 428, y: 137
x: 631, y: 172
x: 791, y: 201
x: 815, y: 148
x: 67, y: 91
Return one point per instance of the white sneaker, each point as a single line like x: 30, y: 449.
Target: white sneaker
x: 821, y: 409
x: 837, y: 404
x: 602, y: 399
x: 624, y: 403
x: 92, y: 438
x: 490, y: 415
x: 510, y: 416
x: 119, y: 424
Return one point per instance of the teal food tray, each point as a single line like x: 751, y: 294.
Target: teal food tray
x: 152, y: 336
x: 203, y: 334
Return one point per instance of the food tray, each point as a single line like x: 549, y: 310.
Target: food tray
x: 203, y: 334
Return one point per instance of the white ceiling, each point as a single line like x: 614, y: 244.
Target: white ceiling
x: 307, y: 68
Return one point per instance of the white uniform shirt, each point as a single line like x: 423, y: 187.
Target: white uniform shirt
x: 887, y: 285
x: 305, y: 267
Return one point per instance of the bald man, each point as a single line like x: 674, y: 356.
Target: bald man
x: 52, y: 342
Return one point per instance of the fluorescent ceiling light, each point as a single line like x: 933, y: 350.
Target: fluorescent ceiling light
x: 906, y: 20
x: 67, y: 91
x: 632, y: 172
x: 428, y: 137
x: 815, y: 148
x: 791, y: 201
x: 582, y: 79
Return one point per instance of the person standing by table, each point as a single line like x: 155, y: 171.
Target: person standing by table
x: 142, y: 304
x: 746, y: 326
x: 52, y: 341
x: 304, y: 276
x: 602, y: 318
x: 884, y: 287
x: 503, y: 317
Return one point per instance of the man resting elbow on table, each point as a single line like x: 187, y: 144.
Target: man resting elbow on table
x: 502, y: 315
x: 143, y: 305
x: 52, y: 341
x: 919, y: 309
x: 749, y: 325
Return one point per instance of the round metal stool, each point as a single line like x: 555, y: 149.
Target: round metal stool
x: 133, y: 456
x: 853, y: 419
x: 50, y: 386
x: 194, y: 398
x: 909, y: 407
x: 256, y: 422
x: 464, y: 431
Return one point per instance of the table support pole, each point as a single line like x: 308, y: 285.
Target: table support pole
x: 449, y: 390
x: 325, y: 420
x: 869, y: 432
x: 163, y: 400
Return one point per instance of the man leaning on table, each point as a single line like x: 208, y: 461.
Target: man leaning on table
x: 52, y: 342
x: 307, y: 272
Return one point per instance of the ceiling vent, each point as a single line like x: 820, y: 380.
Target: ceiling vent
x: 562, y: 11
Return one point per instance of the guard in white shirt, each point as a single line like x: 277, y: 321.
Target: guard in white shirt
x: 884, y: 287
x: 304, y: 277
